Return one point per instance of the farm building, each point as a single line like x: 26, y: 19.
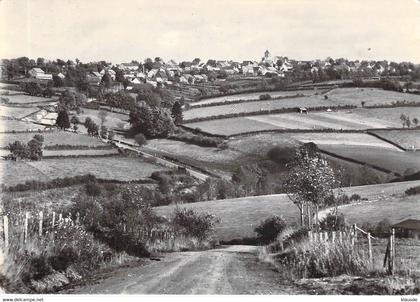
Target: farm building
x: 303, y: 110
x: 409, y: 228
x: 39, y: 74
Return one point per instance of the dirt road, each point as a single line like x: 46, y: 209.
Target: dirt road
x: 227, y: 270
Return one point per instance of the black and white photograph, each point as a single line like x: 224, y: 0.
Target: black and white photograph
x: 212, y: 148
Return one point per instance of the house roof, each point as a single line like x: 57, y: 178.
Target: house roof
x: 36, y: 69
x: 409, y: 224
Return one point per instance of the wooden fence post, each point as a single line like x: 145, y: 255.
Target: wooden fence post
x: 310, y: 236
x: 341, y: 236
x: 60, y: 218
x: 392, y: 252
x: 25, y: 232
x: 354, y: 237
x: 53, y: 221
x: 333, y: 237
x: 6, y: 231
x: 370, y: 248
x: 41, y: 219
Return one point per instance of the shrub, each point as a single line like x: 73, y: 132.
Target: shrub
x: 264, y: 97
x: 319, y: 259
x: 93, y: 189
x: 191, y: 223
x: 140, y: 139
x: 413, y: 191
x: 269, y: 229
x: 333, y: 222
x: 281, y: 155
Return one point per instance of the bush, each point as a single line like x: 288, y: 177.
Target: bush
x: 264, y: 97
x: 199, y: 140
x: 140, y: 139
x: 191, y: 223
x: 333, y: 222
x: 93, y: 189
x: 269, y: 229
x: 413, y: 191
x: 281, y: 155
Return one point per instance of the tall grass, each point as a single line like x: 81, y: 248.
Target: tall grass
x: 316, y: 259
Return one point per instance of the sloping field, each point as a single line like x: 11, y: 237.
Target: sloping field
x: 113, y: 120
x: 113, y: 167
x: 391, y: 115
x: 15, y: 125
x: 316, y: 120
x: 83, y: 152
x: 371, y: 96
x: 407, y: 139
x: 336, y: 97
x: 52, y: 138
x: 255, y: 96
x: 240, y: 216
x: 395, y: 210
x: 343, y: 139
x: 16, y: 112
x: 231, y: 126
x: 255, y: 106
x: 392, y: 160
x: 27, y: 99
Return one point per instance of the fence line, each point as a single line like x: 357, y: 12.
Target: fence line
x: 351, y: 235
x: 40, y: 224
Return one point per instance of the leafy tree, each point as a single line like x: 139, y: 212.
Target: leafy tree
x: 146, y: 94
x: 35, y: 147
x: 104, y: 132
x: 102, y: 116
x: 415, y: 122
x: 269, y: 229
x: 311, y: 182
x: 63, y: 120
x: 152, y: 122
x: 91, y: 126
x: 176, y: 113
x: 106, y: 81
x: 74, y: 120
x: 58, y: 82
x: 18, y: 150
x: 71, y: 100
x: 111, y: 134
x: 403, y: 119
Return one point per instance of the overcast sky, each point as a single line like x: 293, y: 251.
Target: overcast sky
x: 124, y: 30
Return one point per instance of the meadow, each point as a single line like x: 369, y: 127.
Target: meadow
x: 7, y: 125
x: 16, y: 112
x: 52, y: 138
x: 392, y: 160
x: 335, y: 97
x: 407, y: 139
x: 23, y: 99
x: 112, y: 167
x: 254, y: 96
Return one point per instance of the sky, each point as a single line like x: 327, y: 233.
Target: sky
x: 125, y: 30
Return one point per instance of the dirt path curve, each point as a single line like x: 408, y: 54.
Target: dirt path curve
x: 227, y: 270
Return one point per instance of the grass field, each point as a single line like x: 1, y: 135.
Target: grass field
x: 336, y: 97
x: 240, y: 216
x: 254, y: 96
x: 113, y: 167
x: 27, y: 99
x: 114, y: 120
x: 392, y: 160
x: 52, y: 138
x: 83, y: 152
x: 391, y: 115
x: 254, y: 106
x: 394, y: 210
x: 407, y: 139
x: 371, y: 96
x: 15, y: 125
x: 16, y: 112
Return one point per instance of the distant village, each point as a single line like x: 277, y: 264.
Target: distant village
x: 159, y: 73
